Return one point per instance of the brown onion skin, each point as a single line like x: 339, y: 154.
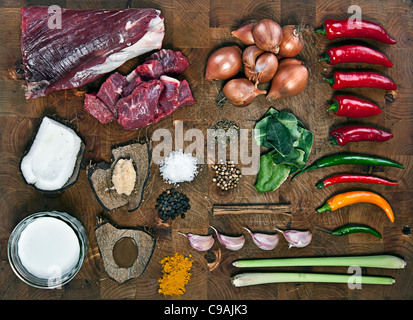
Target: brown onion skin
x: 290, y: 61
x: 267, y: 73
x: 292, y: 42
x: 241, y: 92
x: 268, y: 35
x: 244, y: 33
x: 291, y: 79
x: 224, y: 63
x: 250, y: 55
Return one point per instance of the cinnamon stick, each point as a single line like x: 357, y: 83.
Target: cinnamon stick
x: 268, y: 208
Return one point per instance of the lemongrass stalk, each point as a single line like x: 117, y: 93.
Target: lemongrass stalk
x: 377, y: 261
x: 249, y: 279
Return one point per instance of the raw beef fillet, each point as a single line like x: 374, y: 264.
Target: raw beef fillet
x: 140, y: 108
x: 89, y: 44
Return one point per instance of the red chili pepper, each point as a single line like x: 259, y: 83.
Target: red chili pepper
x: 347, y: 178
x: 360, y: 80
x: 344, y: 135
x: 348, y: 28
x: 352, y: 107
x: 355, y: 54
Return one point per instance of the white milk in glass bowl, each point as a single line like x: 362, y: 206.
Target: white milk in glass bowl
x: 47, y: 249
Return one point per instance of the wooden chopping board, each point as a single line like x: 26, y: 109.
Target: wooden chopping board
x: 196, y: 28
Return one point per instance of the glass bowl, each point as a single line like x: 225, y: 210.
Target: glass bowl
x: 57, y: 279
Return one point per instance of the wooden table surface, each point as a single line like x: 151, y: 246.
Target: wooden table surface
x: 196, y: 27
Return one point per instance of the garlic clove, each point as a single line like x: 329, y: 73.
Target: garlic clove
x: 264, y: 241
x: 198, y: 242
x: 229, y: 242
x: 295, y: 238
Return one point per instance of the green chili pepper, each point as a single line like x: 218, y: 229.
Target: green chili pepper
x: 350, y: 229
x: 339, y: 159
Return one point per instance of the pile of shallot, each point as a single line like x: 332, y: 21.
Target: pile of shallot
x: 268, y: 57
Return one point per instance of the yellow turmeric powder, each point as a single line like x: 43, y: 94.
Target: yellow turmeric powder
x: 175, y: 275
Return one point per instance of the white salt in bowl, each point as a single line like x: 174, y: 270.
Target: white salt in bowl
x: 47, y: 249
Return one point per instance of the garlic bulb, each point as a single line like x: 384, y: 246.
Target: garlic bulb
x: 297, y: 238
x: 231, y: 243
x: 264, y: 241
x: 198, y: 242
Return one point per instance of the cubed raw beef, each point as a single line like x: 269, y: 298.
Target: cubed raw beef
x: 172, y: 62
x: 128, y: 89
x: 140, y: 107
x: 150, y: 70
x: 175, y: 94
x: 163, y: 62
x: 147, y: 94
x: 111, y: 90
x: 158, y: 114
x: 185, y: 95
x: 169, y: 98
x: 97, y: 108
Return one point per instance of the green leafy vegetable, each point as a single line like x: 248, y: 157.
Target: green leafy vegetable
x: 290, y: 121
x: 305, y: 142
x: 279, y: 137
x: 290, y: 145
x: 270, y: 175
x: 295, y: 158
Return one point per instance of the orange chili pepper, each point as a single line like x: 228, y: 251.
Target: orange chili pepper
x: 352, y: 197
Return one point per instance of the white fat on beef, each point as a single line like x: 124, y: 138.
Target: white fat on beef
x: 152, y: 40
x: 52, y: 157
